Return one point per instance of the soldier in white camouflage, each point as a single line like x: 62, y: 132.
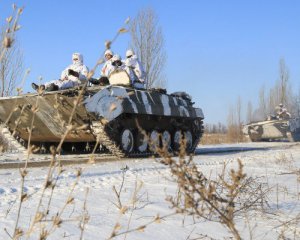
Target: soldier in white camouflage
x: 75, y: 74
x: 135, y: 70
x: 107, y: 67
x: 282, y: 112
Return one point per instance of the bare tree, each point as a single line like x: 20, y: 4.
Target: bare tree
x: 249, y: 112
x: 239, y: 118
x: 283, y: 78
x: 231, y: 125
x: 234, y: 122
x: 148, y: 43
x: 11, y: 66
x: 239, y: 110
x: 282, y: 92
x: 262, y: 104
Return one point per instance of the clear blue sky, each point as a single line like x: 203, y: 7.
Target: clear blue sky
x: 217, y: 50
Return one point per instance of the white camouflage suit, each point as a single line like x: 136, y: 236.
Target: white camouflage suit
x: 135, y: 71
x: 107, y: 68
x: 68, y: 81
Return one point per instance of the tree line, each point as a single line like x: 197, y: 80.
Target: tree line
x: 268, y: 100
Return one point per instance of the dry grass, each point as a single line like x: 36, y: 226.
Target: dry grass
x: 219, y: 138
x: 213, y: 138
x: 222, y: 200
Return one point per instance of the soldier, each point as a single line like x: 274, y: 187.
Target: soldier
x: 73, y: 75
x: 279, y: 108
x: 135, y: 70
x: 282, y: 112
x: 106, y: 70
x: 285, y: 114
x: 107, y: 67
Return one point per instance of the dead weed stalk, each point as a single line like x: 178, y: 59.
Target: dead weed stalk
x: 221, y: 200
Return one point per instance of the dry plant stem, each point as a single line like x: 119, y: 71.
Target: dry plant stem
x: 250, y: 229
x: 68, y: 201
x: 5, y: 230
x: 84, y: 218
x: 23, y: 172
x: 134, y: 200
x: 11, y: 113
x: 23, y: 81
x: 118, y: 193
x: 128, y: 224
x: 228, y: 221
x: 1, y: 57
x: 133, y: 207
x: 20, y: 203
x: 52, y: 164
x: 9, y: 37
x: 142, y: 227
x: 200, y: 194
x: 41, y: 198
x: 52, y: 189
x: 19, y: 119
x: 188, y: 237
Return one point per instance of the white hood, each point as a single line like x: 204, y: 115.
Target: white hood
x: 79, y: 58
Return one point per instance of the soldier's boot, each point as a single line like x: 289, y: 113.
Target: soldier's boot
x: 37, y: 87
x: 94, y: 81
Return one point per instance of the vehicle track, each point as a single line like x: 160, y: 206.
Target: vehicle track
x: 11, y: 141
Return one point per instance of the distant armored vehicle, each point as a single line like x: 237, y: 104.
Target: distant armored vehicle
x: 125, y: 121
x: 274, y: 129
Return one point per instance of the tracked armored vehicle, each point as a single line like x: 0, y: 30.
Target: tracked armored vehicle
x: 123, y: 120
x: 274, y: 130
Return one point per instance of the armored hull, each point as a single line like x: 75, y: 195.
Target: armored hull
x: 273, y: 130
x: 122, y: 120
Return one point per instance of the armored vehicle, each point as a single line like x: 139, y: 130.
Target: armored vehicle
x: 274, y: 129
x: 123, y: 120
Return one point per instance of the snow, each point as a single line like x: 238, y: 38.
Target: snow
x: 274, y: 163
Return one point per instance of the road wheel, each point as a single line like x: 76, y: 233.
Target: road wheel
x: 127, y: 141
x: 177, y: 140
x: 141, y: 142
x: 166, y: 140
x: 154, y: 141
x: 189, y: 140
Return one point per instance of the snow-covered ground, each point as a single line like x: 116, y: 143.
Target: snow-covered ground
x: 274, y: 163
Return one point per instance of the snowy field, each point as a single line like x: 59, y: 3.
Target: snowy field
x: 147, y: 183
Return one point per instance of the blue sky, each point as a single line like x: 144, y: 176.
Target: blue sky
x: 217, y: 50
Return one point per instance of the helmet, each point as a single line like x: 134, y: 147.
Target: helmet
x: 108, y: 51
x: 129, y: 53
x: 116, y: 57
x: 280, y: 105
